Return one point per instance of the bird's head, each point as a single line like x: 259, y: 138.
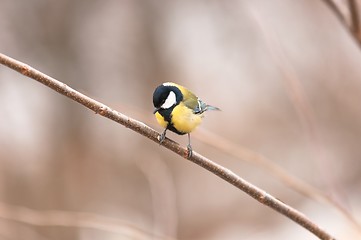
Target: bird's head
x: 166, y: 96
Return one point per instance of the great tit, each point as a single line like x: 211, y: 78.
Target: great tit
x: 179, y: 110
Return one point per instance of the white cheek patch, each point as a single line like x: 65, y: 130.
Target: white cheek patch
x: 170, y: 101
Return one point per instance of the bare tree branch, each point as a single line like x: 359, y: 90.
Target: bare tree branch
x: 139, y: 127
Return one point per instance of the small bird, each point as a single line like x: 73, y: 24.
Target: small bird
x: 179, y: 110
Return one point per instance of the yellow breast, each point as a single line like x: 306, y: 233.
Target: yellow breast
x: 160, y: 120
x: 184, y: 120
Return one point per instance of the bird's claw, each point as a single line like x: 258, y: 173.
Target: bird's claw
x: 190, y: 151
x: 161, y: 138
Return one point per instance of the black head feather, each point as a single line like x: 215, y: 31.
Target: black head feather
x: 161, y: 93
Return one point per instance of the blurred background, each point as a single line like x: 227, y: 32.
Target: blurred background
x: 286, y: 75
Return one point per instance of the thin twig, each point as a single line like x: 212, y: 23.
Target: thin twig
x: 139, y: 127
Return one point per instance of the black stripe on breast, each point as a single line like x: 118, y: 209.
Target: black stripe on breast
x: 167, y: 114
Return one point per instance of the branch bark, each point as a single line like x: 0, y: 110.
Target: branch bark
x: 139, y: 127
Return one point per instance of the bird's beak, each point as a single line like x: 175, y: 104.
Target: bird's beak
x: 155, y: 110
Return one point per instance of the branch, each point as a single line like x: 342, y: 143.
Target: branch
x: 139, y: 127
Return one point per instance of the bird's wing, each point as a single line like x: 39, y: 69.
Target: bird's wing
x: 190, y: 100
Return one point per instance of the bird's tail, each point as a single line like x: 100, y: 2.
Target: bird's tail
x: 202, y: 107
x: 209, y: 107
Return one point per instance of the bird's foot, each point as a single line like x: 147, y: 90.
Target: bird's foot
x: 161, y: 138
x: 190, y: 151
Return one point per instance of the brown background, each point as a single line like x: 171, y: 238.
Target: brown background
x: 286, y: 75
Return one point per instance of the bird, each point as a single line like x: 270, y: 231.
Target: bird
x: 179, y: 110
